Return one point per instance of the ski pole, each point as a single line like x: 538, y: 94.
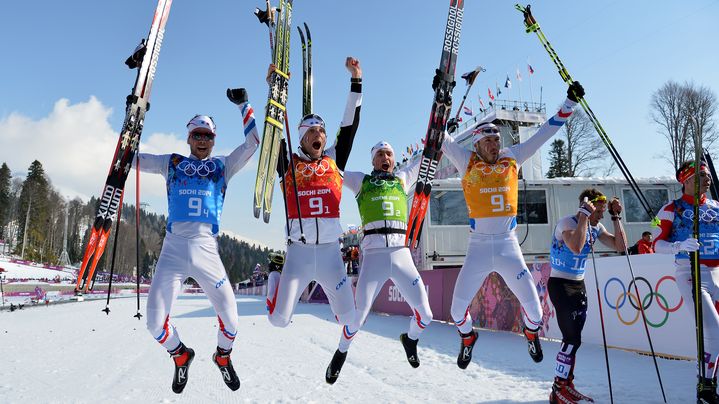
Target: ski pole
x: 267, y: 17
x: 641, y: 308
x: 112, y: 260
x: 294, y: 181
x: 532, y: 25
x: 137, y: 227
x: 601, y: 315
x: 470, y: 83
x: 696, y: 265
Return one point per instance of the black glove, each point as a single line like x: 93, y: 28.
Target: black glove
x: 438, y: 76
x: 575, y: 91
x: 452, y: 125
x: 237, y: 95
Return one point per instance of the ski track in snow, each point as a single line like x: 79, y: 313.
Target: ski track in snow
x: 74, y: 353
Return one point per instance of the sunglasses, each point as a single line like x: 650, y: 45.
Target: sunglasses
x: 600, y: 198
x: 490, y: 131
x: 314, y: 117
x: 202, y: 136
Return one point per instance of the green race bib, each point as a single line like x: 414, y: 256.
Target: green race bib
x: 381, y: 199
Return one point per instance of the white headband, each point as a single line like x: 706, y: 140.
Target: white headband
x: 379, y: 146
x: 201, y: 122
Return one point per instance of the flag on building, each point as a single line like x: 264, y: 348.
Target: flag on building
x: 519, y: 75
x: 507, y: 83
x: 468, y: 111
x: 469, y: 77
x: 489, y: 91
x: 529, y: 67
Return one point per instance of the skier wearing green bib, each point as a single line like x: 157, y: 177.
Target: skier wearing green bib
x: 382, y: 201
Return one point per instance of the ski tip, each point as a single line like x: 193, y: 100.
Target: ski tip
x: 256, y: 211
x: 266, y: 217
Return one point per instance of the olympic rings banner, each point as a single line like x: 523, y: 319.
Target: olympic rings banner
x: 669, y: 317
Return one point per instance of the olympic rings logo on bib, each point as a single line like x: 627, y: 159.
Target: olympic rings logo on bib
x: 203, y: 168
x: 308, y: 170
x: 499, y: 168
x: 380, y: 182
x: 706, y: 216
x: 627, y: 295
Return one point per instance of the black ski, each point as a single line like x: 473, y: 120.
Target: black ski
x: 144, y: 59
x: 441, y: 109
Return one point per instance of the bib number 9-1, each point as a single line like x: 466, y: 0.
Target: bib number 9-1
x: 318, y: 206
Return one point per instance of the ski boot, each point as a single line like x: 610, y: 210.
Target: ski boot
x: 182, y: 356
x: 465, y: 349
x: 333, y: 370
x: 706, y: 392
x: 222, y: 359
x: 410, y: 348
x: 564, y: 392
x: 534, y: 346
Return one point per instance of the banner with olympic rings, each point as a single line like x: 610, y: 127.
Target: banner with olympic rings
x: 669, y: 316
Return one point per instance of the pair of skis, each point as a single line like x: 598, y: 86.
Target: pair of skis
x: 144, y: 59
x: 438, y: 117
x: 276, y: 110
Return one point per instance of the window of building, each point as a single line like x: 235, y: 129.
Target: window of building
x: 633, y: 210
x: 448, y: 208
x: 536, y: 205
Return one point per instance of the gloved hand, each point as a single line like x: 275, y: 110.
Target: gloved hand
x: 452, y: 125
x: 438, y: 75
x: 577, y: 89
x: 689, y: 245
x: 237, y: 95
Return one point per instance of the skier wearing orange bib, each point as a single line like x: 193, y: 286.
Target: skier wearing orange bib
x: 313, y: 252
x: 489, y: 180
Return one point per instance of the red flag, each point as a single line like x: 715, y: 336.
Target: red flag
x: 531, y: 71
x: 491, y: 96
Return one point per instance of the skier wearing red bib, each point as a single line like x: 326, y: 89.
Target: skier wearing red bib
x: 382, y: 201
x: 318, y: 183
x: 489, y: 180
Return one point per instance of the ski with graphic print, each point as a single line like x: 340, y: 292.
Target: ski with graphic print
x: 144, y: 59
x: 306, y: 70
x: 280, y: 20
x: 441, y: 109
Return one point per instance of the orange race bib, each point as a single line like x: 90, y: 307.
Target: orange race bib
x: 490, y: 190
x: 319, y: 187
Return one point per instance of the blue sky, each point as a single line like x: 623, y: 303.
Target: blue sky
x: 74, y: 51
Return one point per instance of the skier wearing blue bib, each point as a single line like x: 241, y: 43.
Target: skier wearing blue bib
x: 196, y: 188
x: 675, y: 236
x: 572, y: 242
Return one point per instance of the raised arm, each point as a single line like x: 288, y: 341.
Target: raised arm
x: 242, y: 154
x: 408, y: 173
x: 524, y: 151
x: 342, y: 146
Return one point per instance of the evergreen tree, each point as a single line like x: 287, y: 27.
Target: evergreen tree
x: 5, y: 198
x: 558, y: 161
x: 34, y: 198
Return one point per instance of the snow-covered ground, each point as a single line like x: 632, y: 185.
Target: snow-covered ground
x: 74, y: 353
x: 20, y: 271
